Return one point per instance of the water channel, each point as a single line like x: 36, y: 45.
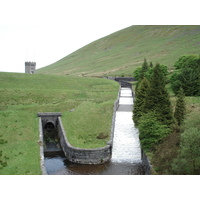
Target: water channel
x: 126, y: 154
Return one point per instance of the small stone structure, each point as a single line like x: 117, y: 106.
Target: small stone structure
x: 30, y: 67
x: 45, y: 119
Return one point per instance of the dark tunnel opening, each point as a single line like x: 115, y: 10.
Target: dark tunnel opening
x: 49, y: 126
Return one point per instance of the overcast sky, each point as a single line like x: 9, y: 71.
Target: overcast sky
x: 45, y: 31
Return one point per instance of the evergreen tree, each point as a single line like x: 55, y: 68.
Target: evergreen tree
x: 187, y: 161
x: 145, y: 68
x: 180, y: 107
x: 157, y: 98
x: 151, y: 131
x: 189, y: 61
x: 140, y: 100
x: 187, y: 76
x: 151, y: 65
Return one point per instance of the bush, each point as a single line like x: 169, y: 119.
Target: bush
x: 151, y: 131
x: 187, y: 76
x: 148, y: 71
x: 188, y: 161
x: 175, y: 82
x: 189, y: 61
x: 180, y: 108
x: 137, y: 73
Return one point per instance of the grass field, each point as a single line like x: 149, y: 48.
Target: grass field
x: 24, y: 95
x: 122, y: 52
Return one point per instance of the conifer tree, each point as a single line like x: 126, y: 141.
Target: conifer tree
x: 151, y: 65
x: 144, y: 68
x: 180, y: 107
x: 140, y: 100
x: 157, y: 98
x: 187, y: 76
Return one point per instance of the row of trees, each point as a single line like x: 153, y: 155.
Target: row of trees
x: 153, y: 113
x: 186, y: 74
x: 147, y: 70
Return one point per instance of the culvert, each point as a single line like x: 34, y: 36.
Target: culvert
x: 49, y: 137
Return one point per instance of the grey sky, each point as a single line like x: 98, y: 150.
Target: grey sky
x: 44, y: 31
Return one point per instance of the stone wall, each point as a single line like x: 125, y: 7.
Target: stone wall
x: 87, y: 156
x: 79, y: 155
x: 74, y: 154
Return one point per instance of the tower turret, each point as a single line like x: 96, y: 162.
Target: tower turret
x: 30, y: 67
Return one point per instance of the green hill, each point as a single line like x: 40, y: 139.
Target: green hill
x: 24, y: 95
x: 123, y: 51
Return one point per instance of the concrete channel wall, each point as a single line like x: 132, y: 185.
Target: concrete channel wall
x: 42, y: 165
x: 74, y: 154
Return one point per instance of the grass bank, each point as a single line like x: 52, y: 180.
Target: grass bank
x: 24, y: 95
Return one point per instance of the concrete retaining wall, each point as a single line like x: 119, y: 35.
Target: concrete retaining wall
x: 40, y: 142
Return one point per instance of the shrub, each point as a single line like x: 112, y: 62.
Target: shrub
x: 188, y: 161
x: 137, y: 73
x: 180, y: 108
x: 151, y: 131
x: 147, y: 71
x: 189, y: 61
x: 187, y: 76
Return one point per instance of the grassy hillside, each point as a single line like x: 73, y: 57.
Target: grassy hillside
x: 123, y: 51
x: 24, y: 95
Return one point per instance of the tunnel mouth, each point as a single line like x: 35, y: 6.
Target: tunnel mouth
x: 49, y: 126
x: 50, y: 133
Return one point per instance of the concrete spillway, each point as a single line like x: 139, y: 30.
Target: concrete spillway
x: 126, y: 145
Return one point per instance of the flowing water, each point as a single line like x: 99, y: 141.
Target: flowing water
x: 126, y: 154
x: 126, y: 145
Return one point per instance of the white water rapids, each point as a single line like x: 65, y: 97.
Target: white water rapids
x: 126, y: 145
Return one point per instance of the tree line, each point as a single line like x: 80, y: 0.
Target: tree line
x: 153, y: 113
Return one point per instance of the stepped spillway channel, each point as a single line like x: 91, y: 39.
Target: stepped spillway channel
x: 126, y: 145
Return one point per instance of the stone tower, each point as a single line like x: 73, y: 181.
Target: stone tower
x: 30, y: 67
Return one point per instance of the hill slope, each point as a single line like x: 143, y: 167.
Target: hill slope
x: 123, y: 51
x: 24, y: 95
